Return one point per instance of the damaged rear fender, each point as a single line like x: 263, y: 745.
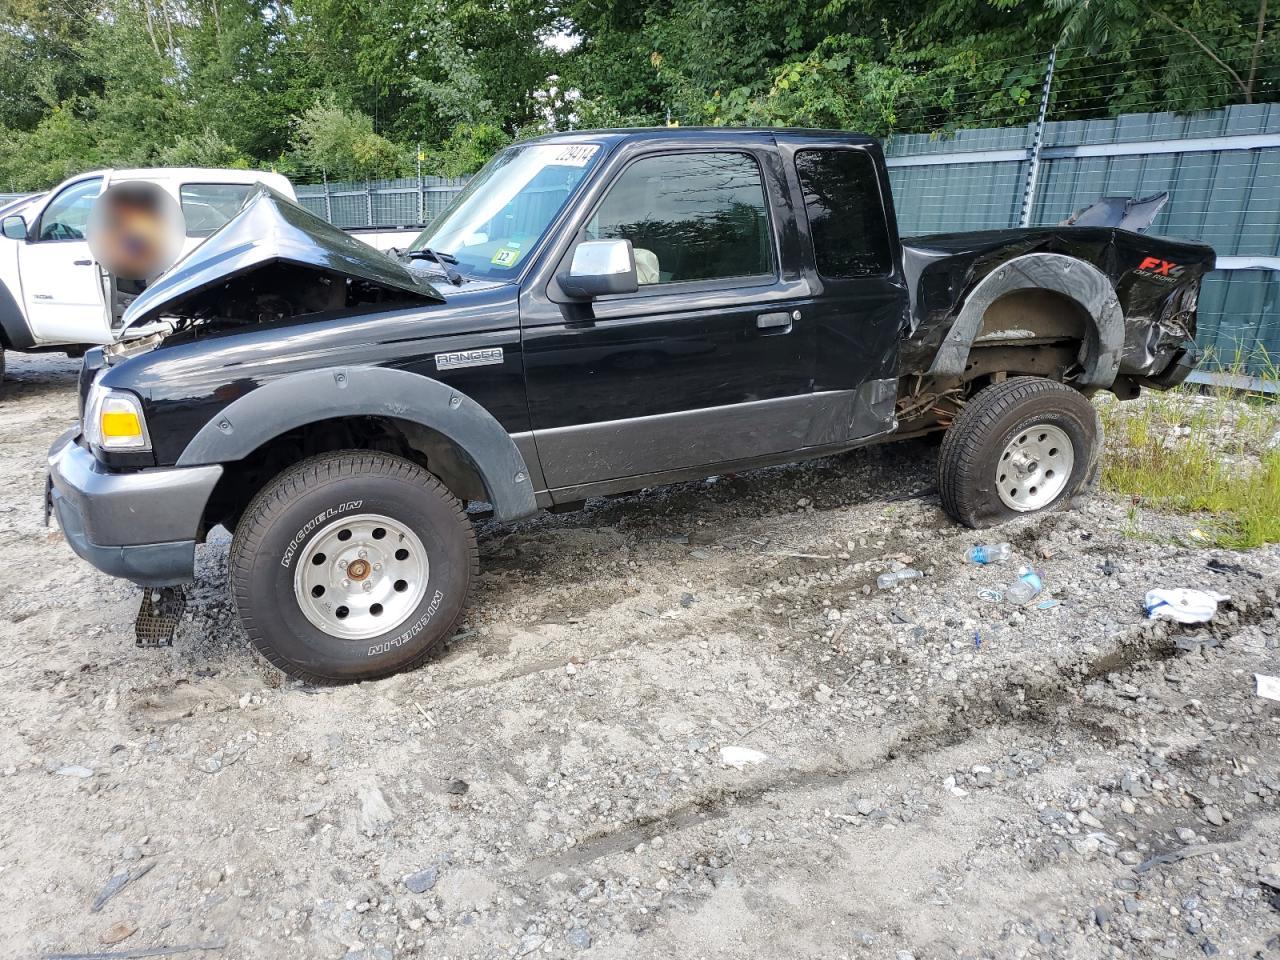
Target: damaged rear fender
x: 336, y: 392
x: 1103, y: 344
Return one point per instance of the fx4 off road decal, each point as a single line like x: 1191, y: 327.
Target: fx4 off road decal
x: 311, y: 524
x: 1160, y: 269
x: 417, y: 628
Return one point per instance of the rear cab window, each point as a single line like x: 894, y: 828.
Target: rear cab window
x: 207, y: 206
x: 846, y: 215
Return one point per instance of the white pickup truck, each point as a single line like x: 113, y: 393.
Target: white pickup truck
x: 53, y: 295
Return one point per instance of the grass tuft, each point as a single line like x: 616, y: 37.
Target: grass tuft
x: 1216, y: 455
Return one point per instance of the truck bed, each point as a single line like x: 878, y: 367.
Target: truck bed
x: 1155, y: 280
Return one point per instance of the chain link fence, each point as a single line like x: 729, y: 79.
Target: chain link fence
x: 386, y: 204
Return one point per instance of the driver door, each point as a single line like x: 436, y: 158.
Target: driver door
x: 61, y: 288
x: 710, y: 361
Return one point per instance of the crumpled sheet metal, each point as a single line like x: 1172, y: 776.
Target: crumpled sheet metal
x: 1086, y: 284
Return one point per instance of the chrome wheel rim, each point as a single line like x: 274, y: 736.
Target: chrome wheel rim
x: 1035, y: 467
x: 361, y: 576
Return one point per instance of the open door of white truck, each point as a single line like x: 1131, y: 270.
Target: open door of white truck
x: 61, y: 285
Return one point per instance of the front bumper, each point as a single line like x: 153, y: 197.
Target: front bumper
x: 141, y: 526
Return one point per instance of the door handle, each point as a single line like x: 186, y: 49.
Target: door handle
x: 776, y: 323
x: 82, y: 263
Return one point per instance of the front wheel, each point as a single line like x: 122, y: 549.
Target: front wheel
x: 1020, y: 446
x: 351, y: 566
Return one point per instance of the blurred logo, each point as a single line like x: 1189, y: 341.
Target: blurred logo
x: 135, y: 230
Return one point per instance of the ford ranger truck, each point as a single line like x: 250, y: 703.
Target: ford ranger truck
x: 596, y: 313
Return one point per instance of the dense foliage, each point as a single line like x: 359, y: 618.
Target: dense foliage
x: 363, y: 88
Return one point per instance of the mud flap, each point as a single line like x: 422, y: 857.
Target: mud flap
x: 159, y: 615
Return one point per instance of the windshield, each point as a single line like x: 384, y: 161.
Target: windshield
x: 506, y: 208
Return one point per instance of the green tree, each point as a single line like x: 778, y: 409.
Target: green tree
x: 41, y: 66
x: 354, y: 88
x: 203, y: 149
x: 339, y: 142
x: 467, y: 148
x: 1226, y: 40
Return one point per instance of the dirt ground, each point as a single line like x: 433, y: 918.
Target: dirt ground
x: 935, y: 775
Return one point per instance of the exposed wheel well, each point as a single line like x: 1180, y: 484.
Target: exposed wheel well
x: 1034, y: 314
x: 242, y: 479
x: 1026, y: 332
x: 1032, y: 332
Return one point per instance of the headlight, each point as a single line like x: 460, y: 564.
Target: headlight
x: 113, y: 420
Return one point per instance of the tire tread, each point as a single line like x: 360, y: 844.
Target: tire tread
x: 958, y: 460
x: 276, y: 495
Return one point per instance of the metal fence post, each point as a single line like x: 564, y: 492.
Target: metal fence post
x: 422, y: 196
x: 1037, y: 141
x: 328, y: 202
x: 368, y: 204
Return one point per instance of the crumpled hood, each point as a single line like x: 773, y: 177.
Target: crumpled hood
x: 268, y: 230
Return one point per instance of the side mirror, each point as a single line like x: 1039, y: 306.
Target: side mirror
x: 14, y: 227
x: 600, y: 267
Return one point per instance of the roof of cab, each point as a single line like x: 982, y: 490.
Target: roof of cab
x: 218, y: 174
x: 702, y: 134
x: 277, y: 181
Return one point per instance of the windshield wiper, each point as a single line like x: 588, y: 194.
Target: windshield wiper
x: 442, y: 260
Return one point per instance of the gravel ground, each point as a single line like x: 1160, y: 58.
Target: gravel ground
x: 927, y: 774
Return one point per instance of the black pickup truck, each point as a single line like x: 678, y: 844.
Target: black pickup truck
x: 596, y: 313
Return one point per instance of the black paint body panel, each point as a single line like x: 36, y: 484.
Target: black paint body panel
x: 943, y: 268
x: 194, y: 374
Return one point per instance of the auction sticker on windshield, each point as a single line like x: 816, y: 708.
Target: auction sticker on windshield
x: 576, y: 155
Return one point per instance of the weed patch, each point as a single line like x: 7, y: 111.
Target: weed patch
x: 1216, y: 455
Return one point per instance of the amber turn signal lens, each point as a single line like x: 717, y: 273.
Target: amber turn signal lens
x: 120, y: 424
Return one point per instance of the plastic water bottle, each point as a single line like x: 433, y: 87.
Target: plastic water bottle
x: 895, y: 577
x: 1026, y: 588
x: 989, y: 553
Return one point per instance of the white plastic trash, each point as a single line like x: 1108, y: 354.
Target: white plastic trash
x: 1268, y: 687
x: 740, y: 757
x: 1183, y: 605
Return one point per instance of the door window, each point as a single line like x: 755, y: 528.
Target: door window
x: 846, y: 217
x: 692, y: 216
x: 207, y: 206
x: 67, y: 215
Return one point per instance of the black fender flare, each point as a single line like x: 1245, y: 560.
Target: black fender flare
x: 13, y: 322
x: 1074, y: 279
x: 298, y: 399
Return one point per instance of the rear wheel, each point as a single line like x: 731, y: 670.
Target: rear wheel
x: 1019, y: 446
x: 352, y: 565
